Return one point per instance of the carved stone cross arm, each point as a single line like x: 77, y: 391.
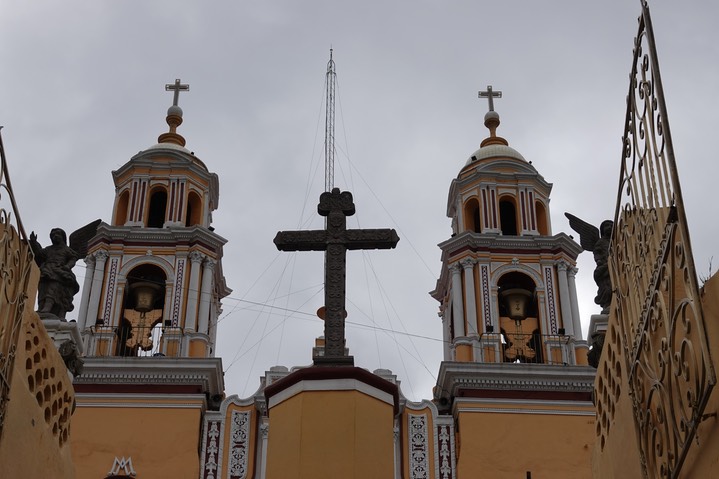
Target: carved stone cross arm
x: 313, y: 240
x: 371, y: 239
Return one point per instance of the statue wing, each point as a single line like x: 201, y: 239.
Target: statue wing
x: 80, y: 238
x: 588, y: 234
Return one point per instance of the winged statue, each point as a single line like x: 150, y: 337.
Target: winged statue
x: 57, y: 284
x: 597, y: 241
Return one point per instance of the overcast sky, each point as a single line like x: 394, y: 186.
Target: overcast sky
x: 82, y: 90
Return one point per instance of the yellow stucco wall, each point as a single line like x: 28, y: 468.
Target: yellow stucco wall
x: 161, y: 441
x: 34, y: 441
x: 500, y: 445
x: 621, y: 433
x: 703, y: 458
x: 330, y: 434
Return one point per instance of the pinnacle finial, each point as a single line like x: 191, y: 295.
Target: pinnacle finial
x: 491, y: 118
x: 174, y: 115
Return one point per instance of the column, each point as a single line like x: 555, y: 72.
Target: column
x: 86, y: 287
x: 193, y: 291
x: 96, y: 288
x: 469, y: 294
x: 564, y: 302
x: 264, y: 432
x: 205, y: 296
x: 571, y: 274
x: 446, y: 340
x: 457, y: 306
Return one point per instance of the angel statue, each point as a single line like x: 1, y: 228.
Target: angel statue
x: 57, y: 284
x: 597, y: 241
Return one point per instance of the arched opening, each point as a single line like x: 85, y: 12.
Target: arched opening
x: 193, y: 215
x: 158, y: 208
x: 542, y: 224
x: 518, y: 319
x: 508, y: 216
x: 140, y: 328
x: 121, y: 210
x: 472, y: 220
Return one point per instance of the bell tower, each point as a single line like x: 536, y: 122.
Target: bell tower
x: 148, y: 315
x: 154, y: 277
x: 515, y: 362
x: 506, y: 291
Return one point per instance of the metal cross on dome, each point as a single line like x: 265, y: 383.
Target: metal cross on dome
x: 335, y: 240
x: 490, y: 95
x: 177, y: 87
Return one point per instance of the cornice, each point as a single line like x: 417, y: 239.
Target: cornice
x: 454, y: 376
x: 160, y: 236
x: 174, y: 158
x: 117, y: 370
x: 519, y: 244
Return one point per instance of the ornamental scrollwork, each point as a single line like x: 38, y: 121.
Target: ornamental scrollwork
x: 15, y: 266
x: 657, y: 303
x: 239, y: 445
x: 418, y: 447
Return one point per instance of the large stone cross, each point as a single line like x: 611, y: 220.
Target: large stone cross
x: 335, y: 240
x: 490, y: 95
x: 177, y: 87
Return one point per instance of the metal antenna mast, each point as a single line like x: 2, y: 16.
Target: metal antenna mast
x: 330, y: 126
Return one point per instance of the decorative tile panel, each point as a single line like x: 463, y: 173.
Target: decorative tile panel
x: 418, y: 447
x: 239, y: 445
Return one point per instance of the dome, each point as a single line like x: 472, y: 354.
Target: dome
x: 494, y: 151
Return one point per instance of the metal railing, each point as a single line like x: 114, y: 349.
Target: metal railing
x: 527, y: 348
x: 127, y: 341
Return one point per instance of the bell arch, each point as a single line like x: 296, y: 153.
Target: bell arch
x: 193, y: 214
x: 121, y: 208
x: 157, y: 209
x: 508, y: 215
x: 472, y: 219
x: 542, y: 219
x: 140, y: 325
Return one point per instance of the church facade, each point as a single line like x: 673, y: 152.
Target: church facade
x: 514, y: 359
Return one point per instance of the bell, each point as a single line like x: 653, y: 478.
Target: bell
x: 516, y: 301
x: 145, y: 293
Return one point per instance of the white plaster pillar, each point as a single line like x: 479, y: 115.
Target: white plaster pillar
x: 446, y: 340
x: 215, y: 311
x: 564, y: 302
x: 457, y: 306
x: 264, y: 432
x: 396, y: 436
x: 86, y: 287
x: 193, y: 291
x: 571, y: 274
x: 203, y: 321
x: 96, y: 288
x: 470, y: 295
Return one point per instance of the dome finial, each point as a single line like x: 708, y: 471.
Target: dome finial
x: 491, y: 119
x: 174, y: 115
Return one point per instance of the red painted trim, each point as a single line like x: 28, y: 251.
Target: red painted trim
x: 520, y: 394
x: 141, y: 213
x: 133, y: 213
x: 172, y: 200
x: 486, y: 210
x: 532, y: 212
x: 181, y: 203
x: 319, y: 373
x: 139, y: 388
x: 494, y: 209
